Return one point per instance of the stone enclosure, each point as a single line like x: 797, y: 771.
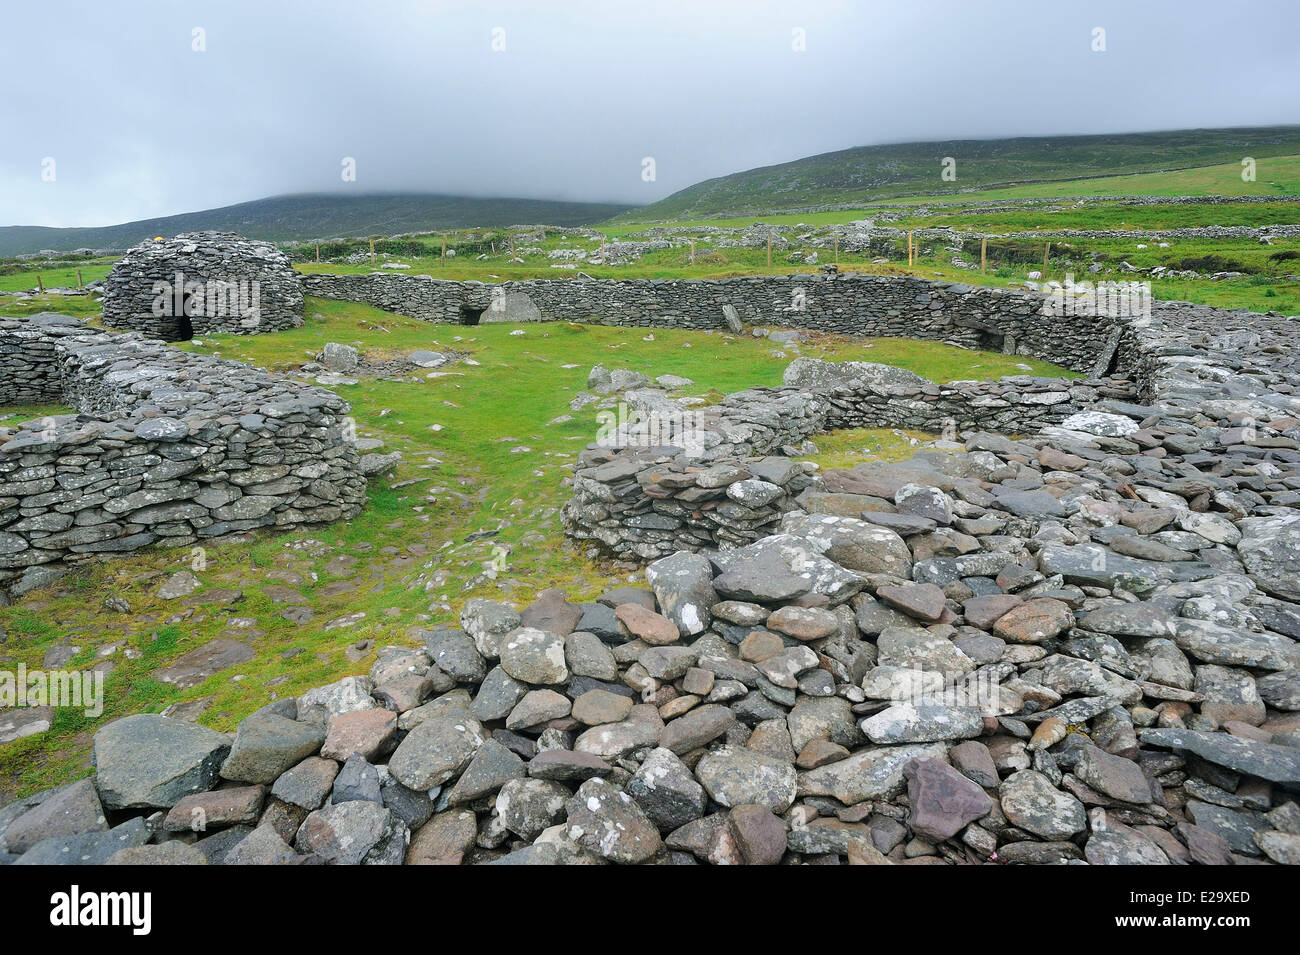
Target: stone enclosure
x: 866, y: 305
x: 169, y: 447
x: 200, y: 283
x: 1078, y: 645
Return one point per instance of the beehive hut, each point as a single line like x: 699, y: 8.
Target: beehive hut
x: 202, y: 283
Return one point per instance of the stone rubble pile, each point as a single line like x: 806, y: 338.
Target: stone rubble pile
x: 1058, y: 649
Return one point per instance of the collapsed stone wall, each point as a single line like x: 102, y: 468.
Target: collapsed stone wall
x: 640, y: 503
x: 994, y: 319
x: 168, y: 447
x: 1185, y: 361
x: 201, y: 283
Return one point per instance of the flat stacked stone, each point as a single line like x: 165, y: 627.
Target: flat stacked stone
x: 143, y: 292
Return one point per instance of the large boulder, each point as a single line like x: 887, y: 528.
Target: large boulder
x: 853, y: 544
x: 511, y: 307
x: 147, y: 761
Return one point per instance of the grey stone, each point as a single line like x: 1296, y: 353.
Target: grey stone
x: 149, y: 761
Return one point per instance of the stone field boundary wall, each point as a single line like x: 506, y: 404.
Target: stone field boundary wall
x: 993, y: 319
x: 169, y: 447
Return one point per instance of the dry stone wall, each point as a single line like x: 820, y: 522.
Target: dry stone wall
x: 869, y: 305
x: 640, y: 503
x: 168, y: 447
x: 201, y: 283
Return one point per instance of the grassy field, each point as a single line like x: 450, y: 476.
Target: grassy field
x: 1276, y: 175
x: 870, y: 173
x: 20, y: 281
x: 483, y: 454
x: 1268, y: 284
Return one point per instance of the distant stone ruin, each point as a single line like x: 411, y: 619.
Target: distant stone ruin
x: 200, y: 283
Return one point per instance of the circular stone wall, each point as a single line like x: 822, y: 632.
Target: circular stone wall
x: 201, y: 283
x: 167, y: 448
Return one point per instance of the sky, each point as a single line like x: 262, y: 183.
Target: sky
x: 111, y: 112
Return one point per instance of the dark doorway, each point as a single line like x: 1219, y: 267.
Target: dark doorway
x: 178, y: 328
x: 469, y: 315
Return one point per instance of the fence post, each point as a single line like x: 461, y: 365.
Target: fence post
x: 769, y: 250
x: 79, y: 285
x: 444, y: 251
x: 372, y: 253
x: 39, y: 284
x: 1047, y: 250
x: 317, y: 252
x: 984, y: 249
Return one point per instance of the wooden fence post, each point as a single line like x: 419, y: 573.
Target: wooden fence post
x: 79, y: 285
x: 444, y: 251
x: 769, y: 250
x: 318, y: 252
x: 39, y: 284
x: 984, y: 250
x: 837, y: 248
x: 692, y: 251
x: 1047, y: 250
x: 910, y: 248
x: 372, y: 253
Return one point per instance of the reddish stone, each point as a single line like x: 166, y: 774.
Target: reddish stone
x: 943, y: 801
x: 758, y: 834
x: 363, y: 732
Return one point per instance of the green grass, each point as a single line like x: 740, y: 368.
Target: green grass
x: 869, y: 173
x: 843, y: 449
x: 53, y: 278
x: 1098, y: 214
x: 81, y: 306
x: 1277, y: 175
x: 411, y: 561
x: 11, y: 416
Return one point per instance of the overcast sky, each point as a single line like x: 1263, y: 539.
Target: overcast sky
x: 139, y: 124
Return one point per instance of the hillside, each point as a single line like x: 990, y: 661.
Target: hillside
x: 284, y: 218
x: 865, y: 173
